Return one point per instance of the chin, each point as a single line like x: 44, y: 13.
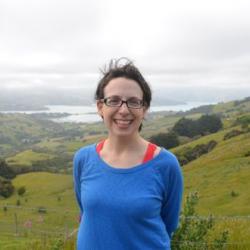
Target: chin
x: 124, y: 133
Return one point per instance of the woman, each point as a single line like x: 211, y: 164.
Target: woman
x: 129, y: 191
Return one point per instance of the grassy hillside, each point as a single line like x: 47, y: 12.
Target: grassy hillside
x: 219, y: 174
x: 48, y: 205
x: 43, y: 189
x: 20, y: 132
x: 220, y: 177
x: 26, y: 157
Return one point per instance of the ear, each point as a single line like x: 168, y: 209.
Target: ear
x: 99, y: 105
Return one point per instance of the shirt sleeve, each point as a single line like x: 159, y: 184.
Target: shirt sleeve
x: 77, y: 180
x: 173, y: 196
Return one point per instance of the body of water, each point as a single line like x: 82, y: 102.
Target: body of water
x: 89, y: 113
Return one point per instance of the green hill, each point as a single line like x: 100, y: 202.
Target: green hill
x: 19, y: 132
x: 48, y: 190
x: 219, y: 174
x: 48, y: 204
x: 221, y: 177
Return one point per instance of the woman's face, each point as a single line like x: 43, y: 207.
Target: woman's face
x: 122, y: 121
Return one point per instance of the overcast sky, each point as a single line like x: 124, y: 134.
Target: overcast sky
x: 175, y: 43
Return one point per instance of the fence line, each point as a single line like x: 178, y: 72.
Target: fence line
x: 69, y: 233
x: 210, y: 243
x: 194, y: 243
x: 227, y: 217
x: 36, y: 208
x: 11, y: 226
x: 19, y: 229
x: 224, y: 217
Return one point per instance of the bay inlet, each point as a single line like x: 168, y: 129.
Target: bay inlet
x: 88, y: 114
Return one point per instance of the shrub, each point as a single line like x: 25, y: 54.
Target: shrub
x: 247, y: 154
x: 243, y: 120
x: 211, y: 145
x: 206, y: 124
x: 166, y: 140
x: 234, y: 194
x: 185, y: 127
x: 209, y: 123
x: 193, y: 230
x: 189, y: 154
x: 5, y: 170
x: 231, y: 134
x: 57, y: 244
x: 6, y: 188
x: 21, y: 190
x: 245, y: 128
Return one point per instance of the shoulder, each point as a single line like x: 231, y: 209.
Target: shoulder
x: 167, y: 163
x: 84, y: 154
x: 81, y: 157
x: 167, y: 158
x: 169, y: 171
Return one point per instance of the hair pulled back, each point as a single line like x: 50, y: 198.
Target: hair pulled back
x: 123, y: 67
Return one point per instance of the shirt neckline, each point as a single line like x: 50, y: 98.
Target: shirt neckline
x: 135, y: 168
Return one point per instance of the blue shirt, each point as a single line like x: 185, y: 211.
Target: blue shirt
x: 133, y: 208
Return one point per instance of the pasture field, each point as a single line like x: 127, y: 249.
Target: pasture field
x: 46, y: 217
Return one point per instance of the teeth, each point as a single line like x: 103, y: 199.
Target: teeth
x: 123, y: 122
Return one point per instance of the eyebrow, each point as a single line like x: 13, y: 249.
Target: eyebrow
x: 122, y: 97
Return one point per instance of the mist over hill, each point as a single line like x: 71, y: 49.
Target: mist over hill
x: 37, y: 98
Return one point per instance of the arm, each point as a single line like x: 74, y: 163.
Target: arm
x: 173, y: 196
x: 77, y: 182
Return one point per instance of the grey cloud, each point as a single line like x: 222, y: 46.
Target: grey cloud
x: 64, y: 43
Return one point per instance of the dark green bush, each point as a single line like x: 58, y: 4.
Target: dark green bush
x: 165, y: 140
x: 206, y: 124
x: 232, y: 133
x: 193, y: 229
x: 6, y: 171
x: 6, y: 188
x: 189, y: 154
x: 247, y: 154
x: 21, y: 190
x: 234, y: 194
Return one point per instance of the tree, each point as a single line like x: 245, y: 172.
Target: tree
x: 6, y: 171
x: 205, y: 124
x: 166, y: 140
x: 185, y: 127
x: 209, y: 123
x: 21, y: 190
x: 6, y: 188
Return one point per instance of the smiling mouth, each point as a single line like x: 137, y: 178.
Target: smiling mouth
x: 123, y: 122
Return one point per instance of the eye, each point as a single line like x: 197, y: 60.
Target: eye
x: 134, y: 102
x: 113, y: 101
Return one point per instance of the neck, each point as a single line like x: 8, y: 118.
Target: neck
x: 121, y: 144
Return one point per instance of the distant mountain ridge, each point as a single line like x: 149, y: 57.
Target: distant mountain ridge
x: 24, y: 100
x: 36, y: 98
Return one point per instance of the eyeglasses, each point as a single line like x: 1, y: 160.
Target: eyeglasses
x: 116, y: 101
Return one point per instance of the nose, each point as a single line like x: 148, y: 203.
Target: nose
x: 124, y: 108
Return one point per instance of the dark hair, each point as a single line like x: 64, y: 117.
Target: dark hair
x: 127, y: 70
